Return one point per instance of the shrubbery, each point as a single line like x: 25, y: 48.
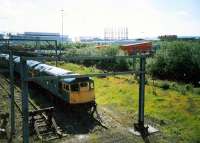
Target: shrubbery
x: 105, y: 64
x: 177, y: 60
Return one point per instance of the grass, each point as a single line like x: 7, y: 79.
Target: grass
x: 177, y: 113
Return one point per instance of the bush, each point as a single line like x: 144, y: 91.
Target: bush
x: 182, y: 90
x: 174, y: 86
x: 196, y: 90
x: 105, y: 64
x: 165, y: 85
x: 162, y: 84
x: 177, y: 60
x: 189, y: 87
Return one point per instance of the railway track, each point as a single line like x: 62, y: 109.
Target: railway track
x: 41, y: 121
x: 4, y: 84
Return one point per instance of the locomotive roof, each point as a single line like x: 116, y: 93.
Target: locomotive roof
x: 7, y: 57
x: 17, y: 60
x: 3, y: 55
x: 51, y: 70
x: 48, y: 69
x: 55, y: 71
x: 32, y: 63
x: 41, y: 67
x: 58, y: 71
x: 70, y: 80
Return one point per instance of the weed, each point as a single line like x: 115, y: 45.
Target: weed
x: 165, y: 85
x: 173, y: 108
x: 189, y: 87
x: 197, y: 91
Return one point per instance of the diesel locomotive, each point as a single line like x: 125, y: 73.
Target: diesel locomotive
x: 71, y: 91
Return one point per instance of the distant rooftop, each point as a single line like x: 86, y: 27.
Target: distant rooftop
x: 41, y: 34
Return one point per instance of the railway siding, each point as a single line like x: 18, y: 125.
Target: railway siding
x: 41, y: 120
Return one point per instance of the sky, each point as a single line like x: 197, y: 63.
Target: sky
x: 144, y: 18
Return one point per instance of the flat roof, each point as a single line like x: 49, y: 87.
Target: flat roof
x: 138, y: 43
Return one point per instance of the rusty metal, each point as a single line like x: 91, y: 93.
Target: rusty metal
x: 44, y: 125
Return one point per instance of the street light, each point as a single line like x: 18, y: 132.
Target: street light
x: 62, y: 13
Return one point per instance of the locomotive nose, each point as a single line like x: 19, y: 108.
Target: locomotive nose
x: 81, y: 97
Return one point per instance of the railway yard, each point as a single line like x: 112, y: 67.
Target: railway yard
x: 117, y: 118
x: 73, y: 128
x: 99, y: 71
x: 66, y: 101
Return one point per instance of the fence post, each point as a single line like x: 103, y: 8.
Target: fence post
x: 24, y: 87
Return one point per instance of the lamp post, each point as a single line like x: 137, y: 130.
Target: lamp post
x: 62, y: 14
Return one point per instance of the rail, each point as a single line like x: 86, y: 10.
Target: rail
x: 37, y: 116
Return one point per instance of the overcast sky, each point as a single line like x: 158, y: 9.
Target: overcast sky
x: 144, y: 18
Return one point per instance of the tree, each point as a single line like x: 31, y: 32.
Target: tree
x: 177, y: 60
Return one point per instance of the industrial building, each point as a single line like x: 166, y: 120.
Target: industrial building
x: 40, y: 36
x: 138, y: 47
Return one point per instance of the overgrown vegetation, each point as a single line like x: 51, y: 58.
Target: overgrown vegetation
x: 175, y: 109
x: 177, y: 60
x: 111, y: 65
x: 174, y: 60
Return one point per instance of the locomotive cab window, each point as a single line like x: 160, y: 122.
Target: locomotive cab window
x: 91, y: 85
x: 66, y: 86
x: 74, y: 87
x: 83, y: 84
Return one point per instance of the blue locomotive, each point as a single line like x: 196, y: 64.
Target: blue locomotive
x: 69, y: 90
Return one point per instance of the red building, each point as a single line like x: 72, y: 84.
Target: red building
x: 144, y: 47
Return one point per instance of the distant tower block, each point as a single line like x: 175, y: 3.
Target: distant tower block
x: 120, y: 33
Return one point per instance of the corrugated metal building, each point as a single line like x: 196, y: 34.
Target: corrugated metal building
x: 142, y: 47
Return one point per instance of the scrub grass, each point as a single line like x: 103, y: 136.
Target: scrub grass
x: 176, y: 113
